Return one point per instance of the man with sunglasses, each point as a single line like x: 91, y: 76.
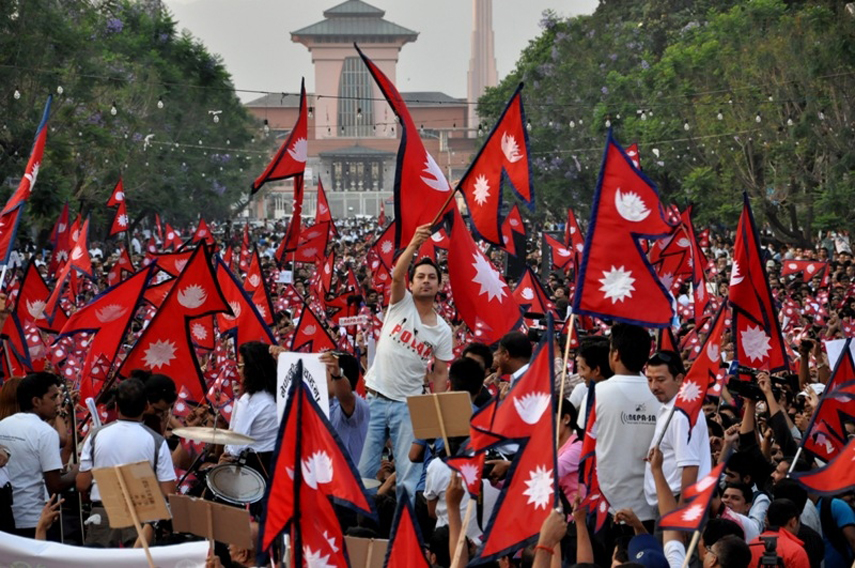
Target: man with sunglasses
x: 686, y: 455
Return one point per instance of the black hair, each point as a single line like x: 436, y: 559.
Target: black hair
x: 733, y: 552
x: 517, y: 345
x: 35, y: 385
x: 791, y: 489
x: 670, y: 358
x: 422, y: 261
x: 160, y: 387
x: 131, y: 398
x: 467, y: 375
x: 480, y: 350
x: 349, y: 368
x: 632, y: 343
x: 744, y: 488
x: 622, y: 548
x: 259, y: 368
x: 780, y: 512
x: 439, y: 546
x: 567, y: 409
x: 717, y: 529
x: 595, y: 351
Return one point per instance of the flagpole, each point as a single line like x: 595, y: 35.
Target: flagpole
x: 444, y: 205
x: 564, y: 377
x: 441, y: 424
x: 461, y: 539
x: 667, y: 423
x: 692, y: 546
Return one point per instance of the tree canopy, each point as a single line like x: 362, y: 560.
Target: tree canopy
x: 721, y: 96
x: 132, y: 97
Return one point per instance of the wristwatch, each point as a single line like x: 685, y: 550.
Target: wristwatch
x: 335, y: 377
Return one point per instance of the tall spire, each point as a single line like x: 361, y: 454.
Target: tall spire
x: 482, y: 63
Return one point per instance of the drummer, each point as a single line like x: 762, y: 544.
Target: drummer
x: 255, y: 412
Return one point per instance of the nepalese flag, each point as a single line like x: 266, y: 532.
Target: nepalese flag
x: 313, y: 244
x: 323, y: 213
x: 562, y: 257
x: 264, y: 305
x: 243, y: 259
x: 632, y: 153
x: 117, y: 198
x: 480, y: 293
x: 573, y: 238
x: 697, y: 497
x: 120, y: 221
x: 292, y: 233
x: 173, y: 238
x: 78, y: 261
x: 173, y: 263
x: 202, y: 333
x: 32, y: 300
x: 810, y: 269
x: 164, y: 346
x: 158, y: 226
x: 702, y: 375
x: 8, y: 231
x: 614, y: 272
x: 512, y: 225
x: 406, y: 549
x: 310, y: 335
x: 756, y: 330
x: 505, y: 153
x: 672, y: 258
x: 290, y: 160
x: 254, y: 277
x: 245, y: 321
x: 526, y: 414
x: 829, y: 418
x: 698, y: 262
x: 107, y: 319
x: 229, y: 256
x: 59, y: 238
x: 309, y: 469
x: 383, y: 249
x: 470, y: 468
x: 327, y: 272
x: 123, y: 266
x: 422, y: 194
x: 531, y: 295
x: 28, y: 181
x: 837, y: 476
x: 203, y: 233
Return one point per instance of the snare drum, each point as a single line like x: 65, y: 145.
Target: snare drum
x: 235, y: 484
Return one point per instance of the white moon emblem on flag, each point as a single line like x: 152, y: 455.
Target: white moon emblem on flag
x: 300, y: 150
x: 434, y: 179
x: 110, y: 313
x: 76, y: 253
x: 36, y: 309
x: 510, y: 148
x: 317, y: 469
x: 532, y: 406
x: 630, y: 206
x: 254, y: 280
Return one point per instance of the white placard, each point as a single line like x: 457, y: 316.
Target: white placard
x: 286, y: 276
x: 314, y: 375
x: 834, y: 349
x: 353, y: 320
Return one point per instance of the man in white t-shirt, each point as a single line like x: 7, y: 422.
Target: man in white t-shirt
x: 33, y: 446
x: 626, y: 413
x: 412, y: 336
x: 686, y: 457
x: 121, y: 442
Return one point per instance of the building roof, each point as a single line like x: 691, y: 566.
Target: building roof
x: 413, y: 99
x: 352, y: 20
x: 355, y: 151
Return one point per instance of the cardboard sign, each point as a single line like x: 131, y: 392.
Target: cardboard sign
x: 228, y: 524
x: 143, y: 491
x: 314, y: 375
x: 366, y: 552
x: 455, y: 410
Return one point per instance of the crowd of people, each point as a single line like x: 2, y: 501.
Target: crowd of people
x: 619, y: 388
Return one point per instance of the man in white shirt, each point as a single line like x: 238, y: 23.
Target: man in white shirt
x: 121, y: 442
x: 686, y: 455
x: 412, y: 336
x: 33, y: 448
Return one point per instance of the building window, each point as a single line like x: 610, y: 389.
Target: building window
x: 355, y: 109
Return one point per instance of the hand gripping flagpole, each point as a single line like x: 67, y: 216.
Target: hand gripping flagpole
x: 692, y: 546
x: 564, y: 377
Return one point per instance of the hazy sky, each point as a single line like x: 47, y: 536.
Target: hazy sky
x: 253, y: 37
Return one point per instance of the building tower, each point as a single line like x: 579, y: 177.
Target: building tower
x: 482, y: 63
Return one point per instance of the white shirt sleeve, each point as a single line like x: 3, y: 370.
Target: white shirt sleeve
x: 86, y: 454
x: 165, y: 468
x: 49, y: 457
x: 685, y: 451
x: 436, y: 480
x: 445, y: 350
x: 675, y: 553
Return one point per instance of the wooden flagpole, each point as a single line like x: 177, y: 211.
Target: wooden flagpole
x: 563, y: 378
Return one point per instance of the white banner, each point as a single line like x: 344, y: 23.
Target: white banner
x: 18, y: 552
x: 314, y: 375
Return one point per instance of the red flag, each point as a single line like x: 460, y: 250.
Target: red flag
x: 173, y: 238
x: 309, y: 469
x: 323, y: 213
x: 164, y: 346
x: 254, y: 277
x: 158, y: 226
x: 173, y: 263
x: 120, y: 221
x: 32, y: 300
x: 245, y: 321
x: 837, y: 476
x: 243, y: 262
x: 203, y: 233
x: 422, y: 194
x: 810, y: 268
x: 327, y: 272
x: 562, y: 257
x: 505, y: 153
x: 59, y: 238
x: 292, y: 234
x: 827, y: 424
x: 699, y: 261
x: 313, y: 244
x: 672, y: 259
x: 202, y: 332
x: 78, y: 260
x: 702, y: 374
x: 614, y: 274
x: 406, y: 548
x: 480, y: 293
x: 290, y: 160
x: 310, y: 335
x: 383, y: 249
x: 25, y: 187
x: 531, y: 295
x: 117, y: 198
x: 632, y: 153
x: 756, y: 330
x: 697, y: 498
x: 513, y: 224
x: 107, y: 319
x: 573, y: 238
x: 471, y: 469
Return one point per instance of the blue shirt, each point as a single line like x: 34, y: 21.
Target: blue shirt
x: 843, y: 516
x: 351, y: 429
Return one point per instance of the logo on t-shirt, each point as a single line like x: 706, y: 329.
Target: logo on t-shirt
x: 638, y: 415
x: 410, y: 340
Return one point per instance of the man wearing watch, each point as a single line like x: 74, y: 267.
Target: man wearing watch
x: 348, y: 412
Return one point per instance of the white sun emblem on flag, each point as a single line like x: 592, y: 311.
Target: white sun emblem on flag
x: 693, y: 513
x: 192, y: 296
x: 470, y: 474
x: 527, y: 293
x: 386, y: 247
x: 199, y: 331
x: 299, y: 150
x: 317, y: 469
x: 617, y: 284
x: 755, y: 343
x: 705, y: 483
x: 314, y: 559
x: 510, y: 148
x: 309, y: 252
x: 481, y: 190
x: 159, y: 353
x: 539, y: 490
x: 630, y: 206
x: 532, y: 406
x: 110, y: 313
x: 262, y: 312
x: 123, y: 220
x: 488, y: 278
x: 690, y: 391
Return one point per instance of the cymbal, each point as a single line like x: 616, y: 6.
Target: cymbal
x: 213, y: 435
